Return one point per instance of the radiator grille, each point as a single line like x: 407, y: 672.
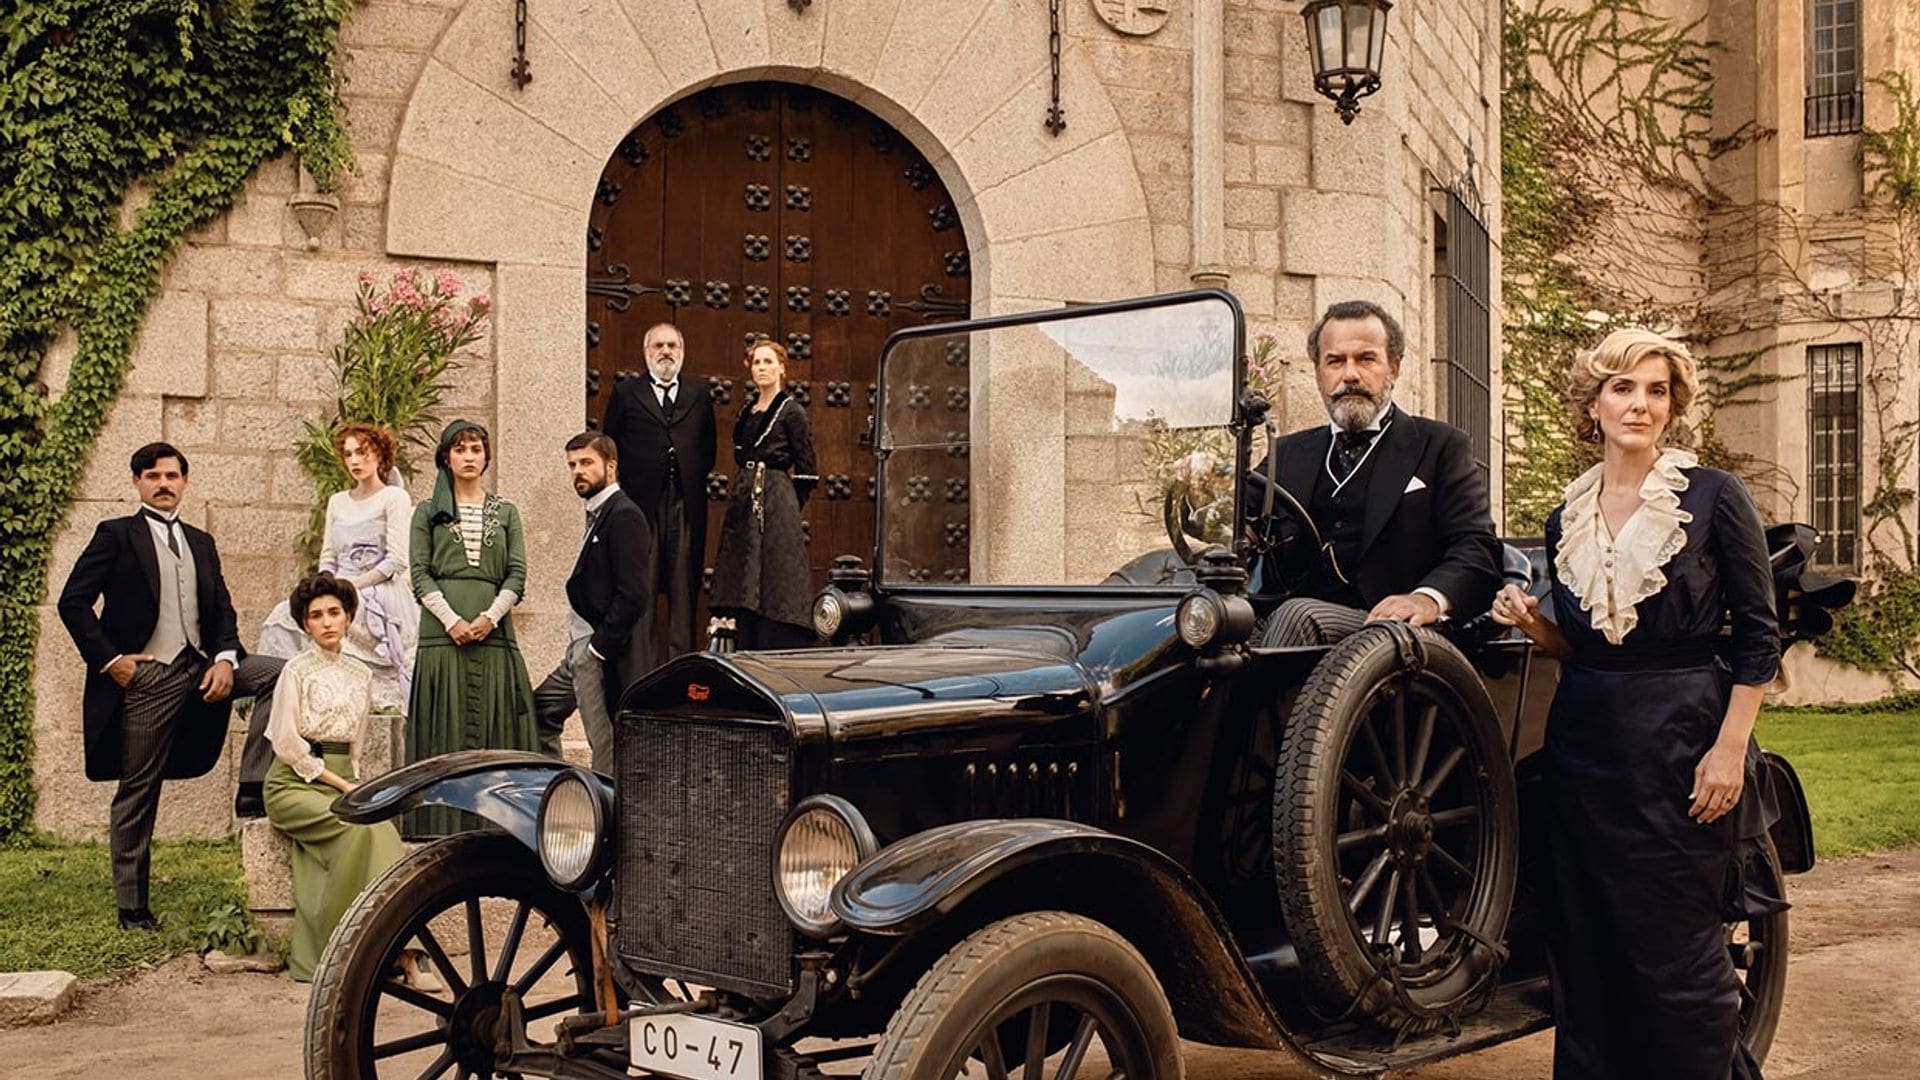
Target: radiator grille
x: 700, y: 802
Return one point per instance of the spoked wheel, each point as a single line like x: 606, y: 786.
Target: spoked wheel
x: 1395, y: 836
x: 1046, y: 994
x: 477, y: 912
x: 1758, y: 946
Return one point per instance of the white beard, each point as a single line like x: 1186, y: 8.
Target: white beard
x: 664, y: 370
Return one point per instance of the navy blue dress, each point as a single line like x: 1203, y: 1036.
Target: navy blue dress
x: 1643, y: 985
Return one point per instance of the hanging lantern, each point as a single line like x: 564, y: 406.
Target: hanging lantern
x: 1347, y: 40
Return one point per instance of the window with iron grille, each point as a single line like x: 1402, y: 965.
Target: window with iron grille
x: 1833, y: 67
x: 1463, y: 338
x: 1833, y: 450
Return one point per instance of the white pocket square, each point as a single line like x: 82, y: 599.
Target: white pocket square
x: 1415, y: 484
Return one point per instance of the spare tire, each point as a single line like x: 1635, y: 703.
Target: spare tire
x: 1395, y: 830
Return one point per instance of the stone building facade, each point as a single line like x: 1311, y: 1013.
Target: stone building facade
x: 1195, y: 151
x: 1806, y: 254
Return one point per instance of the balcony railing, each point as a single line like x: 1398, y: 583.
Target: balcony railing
x: 1833, y: 114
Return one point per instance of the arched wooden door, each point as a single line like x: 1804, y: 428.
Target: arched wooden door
x: 769, y: 208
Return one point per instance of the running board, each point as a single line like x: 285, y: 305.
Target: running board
x: 1517, y: 1009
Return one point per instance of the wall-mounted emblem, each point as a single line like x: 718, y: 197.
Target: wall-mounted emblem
x: 1135, y: 18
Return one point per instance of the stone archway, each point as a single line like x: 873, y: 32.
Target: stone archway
x: 485, y: 172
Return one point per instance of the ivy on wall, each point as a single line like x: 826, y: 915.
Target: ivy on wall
x: 123, y: 126
x: 1607, y: 158
x: 1606, y: 137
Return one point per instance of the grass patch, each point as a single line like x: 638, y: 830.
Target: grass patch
x: 1861, y: 772
x: 57, y: 910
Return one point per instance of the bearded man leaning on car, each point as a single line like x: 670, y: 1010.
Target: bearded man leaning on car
x: 1399, y: 504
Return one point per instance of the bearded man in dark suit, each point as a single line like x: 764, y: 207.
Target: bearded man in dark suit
x: 1399, y: 503
x: 163, y: 662
x: 610, y: 594
x: 663, y: 428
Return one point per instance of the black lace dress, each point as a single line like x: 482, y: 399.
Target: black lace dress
x: 760, y: 575
x: 1643, y: 984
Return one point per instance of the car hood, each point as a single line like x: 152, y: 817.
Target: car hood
x: 852, y: 695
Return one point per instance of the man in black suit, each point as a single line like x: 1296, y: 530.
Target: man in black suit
x: 163, y: 661
x: 611, y: 593
x: 1400, y: 505
x: 663, y: 426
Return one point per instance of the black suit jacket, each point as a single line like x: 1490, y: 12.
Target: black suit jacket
x: 120, y: 564
x: 636, y: 424
x: 612, y: 589
x: 1439, y: 535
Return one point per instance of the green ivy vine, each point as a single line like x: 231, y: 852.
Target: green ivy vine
x: 179, y: 100
x: 1606, y: 115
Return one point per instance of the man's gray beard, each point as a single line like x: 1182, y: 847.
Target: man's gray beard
x: 1356, y: 413
x: 664, y: 370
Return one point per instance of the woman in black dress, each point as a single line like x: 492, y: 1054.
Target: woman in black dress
x: 760, y: 576
x: 1649, y: 741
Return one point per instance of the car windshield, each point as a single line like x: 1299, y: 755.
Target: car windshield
x: 1058, y: 448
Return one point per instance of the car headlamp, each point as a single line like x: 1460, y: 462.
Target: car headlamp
x: 822, y: 841
x: 573, y: 819
x: 828, y: 612
x: 1200, y: 617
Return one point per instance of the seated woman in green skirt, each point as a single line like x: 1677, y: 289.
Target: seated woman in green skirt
x: 320, y: 709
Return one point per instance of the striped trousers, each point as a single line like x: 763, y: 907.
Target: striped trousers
x: 1306, y: 621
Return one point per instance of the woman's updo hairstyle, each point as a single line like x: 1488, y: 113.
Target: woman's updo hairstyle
x: 313, y: 587
x: 1618, y: 353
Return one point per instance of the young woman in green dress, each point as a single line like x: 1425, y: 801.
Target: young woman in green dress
x: 468, y: 562
x: 320, y: 709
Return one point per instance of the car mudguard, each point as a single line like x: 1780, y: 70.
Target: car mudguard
x: 502, y: 786
x: 980, y: 871
x: 1793, y: 832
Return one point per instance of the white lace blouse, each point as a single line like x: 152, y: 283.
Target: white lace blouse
x: 323, y: 697
x: 1611, y: 574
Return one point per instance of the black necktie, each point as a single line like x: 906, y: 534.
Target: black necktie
x: 166, y: 525
x: 666, y: 397
x: 1350, y: 449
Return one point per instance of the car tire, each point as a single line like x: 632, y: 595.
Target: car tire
x: 1395, y: 830
x: 355, y: 976
x: 982, y: 998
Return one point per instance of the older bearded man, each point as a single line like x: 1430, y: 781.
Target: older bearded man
x: 663, y: 428
x: 1399, y: 503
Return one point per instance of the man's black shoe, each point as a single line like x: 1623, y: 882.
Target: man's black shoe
x: 138, y: 919
x: 250, y: 802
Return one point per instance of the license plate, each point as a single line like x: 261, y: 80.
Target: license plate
x: 695, y: 1047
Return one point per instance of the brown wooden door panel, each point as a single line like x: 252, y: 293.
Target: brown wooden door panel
x: 783, y: 210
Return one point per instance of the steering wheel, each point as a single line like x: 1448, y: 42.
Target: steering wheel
x: 1286, y: 543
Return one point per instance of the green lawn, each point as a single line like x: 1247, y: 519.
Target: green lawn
x: 57, y: 911
x: 1861, y: 771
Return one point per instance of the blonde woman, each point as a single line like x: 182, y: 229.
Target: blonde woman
x: 1649, y: 741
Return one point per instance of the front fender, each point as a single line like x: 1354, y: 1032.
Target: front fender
x: 502, y: 786
x: 1793, y: 832
x: 980, y: 871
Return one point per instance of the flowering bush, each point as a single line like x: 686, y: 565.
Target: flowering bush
x: 393, y: 367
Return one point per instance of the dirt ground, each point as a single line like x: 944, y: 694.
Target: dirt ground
x: 1853, y: 1007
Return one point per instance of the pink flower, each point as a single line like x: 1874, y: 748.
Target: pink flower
x: 406, y: 275
x: 480, y: 304
x: 447, y: 283
x: 406, y: 295
x: 366, y: 277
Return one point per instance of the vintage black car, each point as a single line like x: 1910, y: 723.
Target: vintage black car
x: 1037, y: 807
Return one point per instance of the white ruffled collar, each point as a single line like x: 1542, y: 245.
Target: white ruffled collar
x: 1610, y: 575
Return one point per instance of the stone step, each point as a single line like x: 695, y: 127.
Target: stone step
x: 34, y: 997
